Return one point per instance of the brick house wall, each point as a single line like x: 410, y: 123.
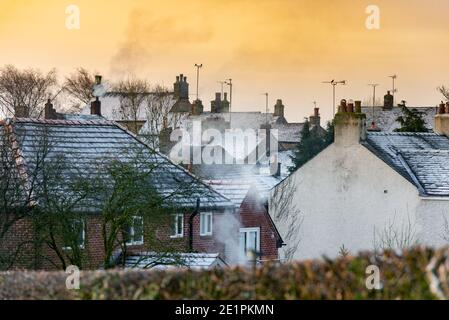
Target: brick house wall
x: 253, y: 214
x: 44, y: 258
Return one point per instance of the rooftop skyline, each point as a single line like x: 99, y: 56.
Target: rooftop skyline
x: 286, y: 48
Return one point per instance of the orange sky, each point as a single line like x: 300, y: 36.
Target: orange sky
x: 284, y: 47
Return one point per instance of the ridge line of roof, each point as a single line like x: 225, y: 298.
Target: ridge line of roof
x: 104, y: 122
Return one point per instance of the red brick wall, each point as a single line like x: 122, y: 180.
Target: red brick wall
x: 250, y: 215
x: 253, y: 214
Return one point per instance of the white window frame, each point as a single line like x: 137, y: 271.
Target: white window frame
x: 203, y: 220
x: 248, y: 230
x: 175, y: 220
x: 131, y: 232
x: 82, y: 245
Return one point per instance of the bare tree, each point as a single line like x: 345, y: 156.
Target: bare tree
x: 159, y: 117
x: 79, y: 85
x: 25, y: 91
x: 444, y: 91
x: 132, y: 93
x: 288, y: 214
x: 395, y: 236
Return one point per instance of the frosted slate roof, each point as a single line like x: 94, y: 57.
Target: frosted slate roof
x: 421, y: 158
x: 85, y: 145
x: 386, y: 119
x: 196, y: 261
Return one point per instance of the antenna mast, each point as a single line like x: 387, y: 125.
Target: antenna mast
x: 334, y: 83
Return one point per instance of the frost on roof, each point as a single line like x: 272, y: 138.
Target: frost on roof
x: 85, y: 145
x: 421, y: 158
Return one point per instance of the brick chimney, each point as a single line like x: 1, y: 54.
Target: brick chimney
x: 181, y: 87
x: 279, y: 108
x: 388, y: 101
x: 441, y: 126
x: 315, y: 120
x: 197, y: 107
x: 21, y: 111
x: 350, y: 126
x: 95, y: 107
x: 49, y: 111
x: 215, y: 105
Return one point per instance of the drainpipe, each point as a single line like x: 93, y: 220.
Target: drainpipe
x: 192, y: 216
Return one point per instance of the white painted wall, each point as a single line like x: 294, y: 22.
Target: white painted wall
x: 346, y: 193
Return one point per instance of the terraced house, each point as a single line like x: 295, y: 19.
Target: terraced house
x: 368, y: 190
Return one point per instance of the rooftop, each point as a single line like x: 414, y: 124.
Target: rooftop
x: 421, y: 158
x: 84, y: 144
x: 386, y: 119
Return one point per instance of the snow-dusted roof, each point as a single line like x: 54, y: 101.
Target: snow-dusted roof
x: 386, y: 119
x: 84, y: 145
x: 422, y: 158
x: 236, y: 184
x: 182, y: 260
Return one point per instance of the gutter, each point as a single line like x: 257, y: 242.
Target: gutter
x: 192, y: 216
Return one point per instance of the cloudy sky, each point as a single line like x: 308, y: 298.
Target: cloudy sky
x: 283, y: 47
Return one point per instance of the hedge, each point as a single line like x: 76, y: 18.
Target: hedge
x: 413, y: 274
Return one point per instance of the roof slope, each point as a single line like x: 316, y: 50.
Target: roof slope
x: 421, y: 158
x: 386, y: 119
x: 86, y: 144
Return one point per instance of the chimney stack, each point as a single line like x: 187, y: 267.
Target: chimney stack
x: 441, y: 126
x: 181, y: 87
x: 95, y: 107
x: 49, y: 111
x: 350, y: 126
x: 315, y: 120
x: 388, y: 101
x: 197, y: 108
x: 279, y: 108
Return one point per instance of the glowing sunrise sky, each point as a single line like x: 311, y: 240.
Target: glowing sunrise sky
x: 283, y: 47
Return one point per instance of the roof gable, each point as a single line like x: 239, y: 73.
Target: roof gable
x: 421, y: 158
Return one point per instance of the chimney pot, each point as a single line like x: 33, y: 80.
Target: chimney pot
x: 350, y: 107
x: 98, y: 79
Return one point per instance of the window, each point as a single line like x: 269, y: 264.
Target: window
x: 177, y: 226
x: 249, y: 241
x: 76, y: 235
x: 205, y: 223
x: 134, y: 231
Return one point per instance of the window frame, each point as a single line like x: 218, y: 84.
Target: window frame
x: 247, y: 231
x: 175, y: 221
x: 81, y: 246
x: 205, y: 215
x: 131, y: 232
